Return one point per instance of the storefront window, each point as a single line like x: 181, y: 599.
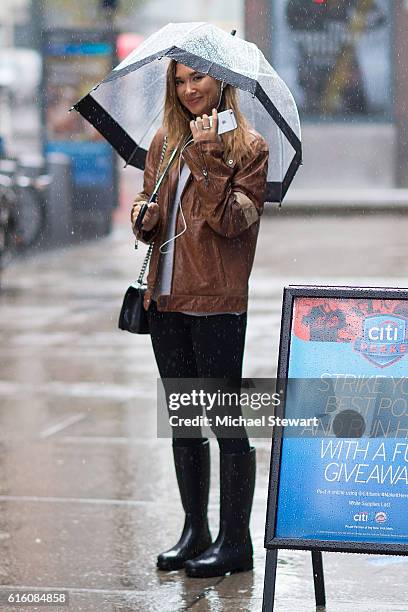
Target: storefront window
x: 335, y: 56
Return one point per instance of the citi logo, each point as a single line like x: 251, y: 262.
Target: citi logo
x: 361, y: 517
x: 388, y: 331
x: 384, y: 339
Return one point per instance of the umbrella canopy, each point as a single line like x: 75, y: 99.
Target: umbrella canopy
x: 127, y: 106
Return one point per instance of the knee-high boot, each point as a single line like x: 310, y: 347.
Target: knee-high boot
x: 232, y: 550
x: 192, y: 465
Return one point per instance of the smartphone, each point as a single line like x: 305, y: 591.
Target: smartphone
x: 226, y: 121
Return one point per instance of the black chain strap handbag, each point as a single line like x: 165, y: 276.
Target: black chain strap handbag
x: 133, y: 317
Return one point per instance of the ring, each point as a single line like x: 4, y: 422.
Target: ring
x: 206, y: 127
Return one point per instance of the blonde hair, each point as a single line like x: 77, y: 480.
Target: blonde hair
x: 177, y: 120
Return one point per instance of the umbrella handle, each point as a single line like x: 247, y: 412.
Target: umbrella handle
x: 142, y: 212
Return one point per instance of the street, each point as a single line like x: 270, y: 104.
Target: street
x: 88, y: 494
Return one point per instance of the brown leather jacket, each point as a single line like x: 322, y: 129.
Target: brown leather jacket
x: 222, y: 204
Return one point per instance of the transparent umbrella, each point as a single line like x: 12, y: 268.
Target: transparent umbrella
x: 127, y: 106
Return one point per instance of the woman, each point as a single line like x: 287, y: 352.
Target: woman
x: 204, y: 228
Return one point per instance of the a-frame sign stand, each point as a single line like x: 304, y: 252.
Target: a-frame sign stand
x: 377, y: 307
x: 270, y: 579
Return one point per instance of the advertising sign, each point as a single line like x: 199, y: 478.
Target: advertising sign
x: 343, y: 485
x: 73, y: 63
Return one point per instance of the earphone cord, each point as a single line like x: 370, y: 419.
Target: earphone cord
x: 179, y: 174
x: 181, y: 209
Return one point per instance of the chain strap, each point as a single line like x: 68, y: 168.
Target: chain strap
x: 163, y: 153
x: 150, y: 249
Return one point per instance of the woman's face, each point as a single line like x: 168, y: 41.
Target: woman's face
x: 197, y: 92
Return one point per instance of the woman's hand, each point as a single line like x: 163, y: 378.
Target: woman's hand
x: 201, y: 130
x: 149, y: 220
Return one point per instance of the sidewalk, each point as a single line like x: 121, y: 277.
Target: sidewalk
x: 88, y: 494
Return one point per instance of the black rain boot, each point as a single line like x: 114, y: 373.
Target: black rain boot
x: 232, y: 550
x: 192, y: 465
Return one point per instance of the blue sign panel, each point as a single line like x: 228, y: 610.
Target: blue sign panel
x: 346, y: 489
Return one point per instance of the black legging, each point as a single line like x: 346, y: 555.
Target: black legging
x: 208, y: 347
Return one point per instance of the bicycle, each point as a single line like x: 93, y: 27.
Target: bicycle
x: 26, y: 205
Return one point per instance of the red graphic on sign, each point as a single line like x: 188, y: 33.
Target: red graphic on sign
x: 339, y: 320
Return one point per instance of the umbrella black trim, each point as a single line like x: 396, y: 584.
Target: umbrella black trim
x: 116, y: 74
x: 215, y: 70
x: 279, y: 120
x: 102, y: 121
x: 273, y: 192
x: 294, y: 165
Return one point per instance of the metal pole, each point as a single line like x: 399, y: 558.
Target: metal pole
x: 318, y: 578
x: 270, y: 580
x: 37, y: 23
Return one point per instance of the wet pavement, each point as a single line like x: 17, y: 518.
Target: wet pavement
x: 88, y: 494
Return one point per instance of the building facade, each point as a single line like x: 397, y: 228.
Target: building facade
x: 346, y: 65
